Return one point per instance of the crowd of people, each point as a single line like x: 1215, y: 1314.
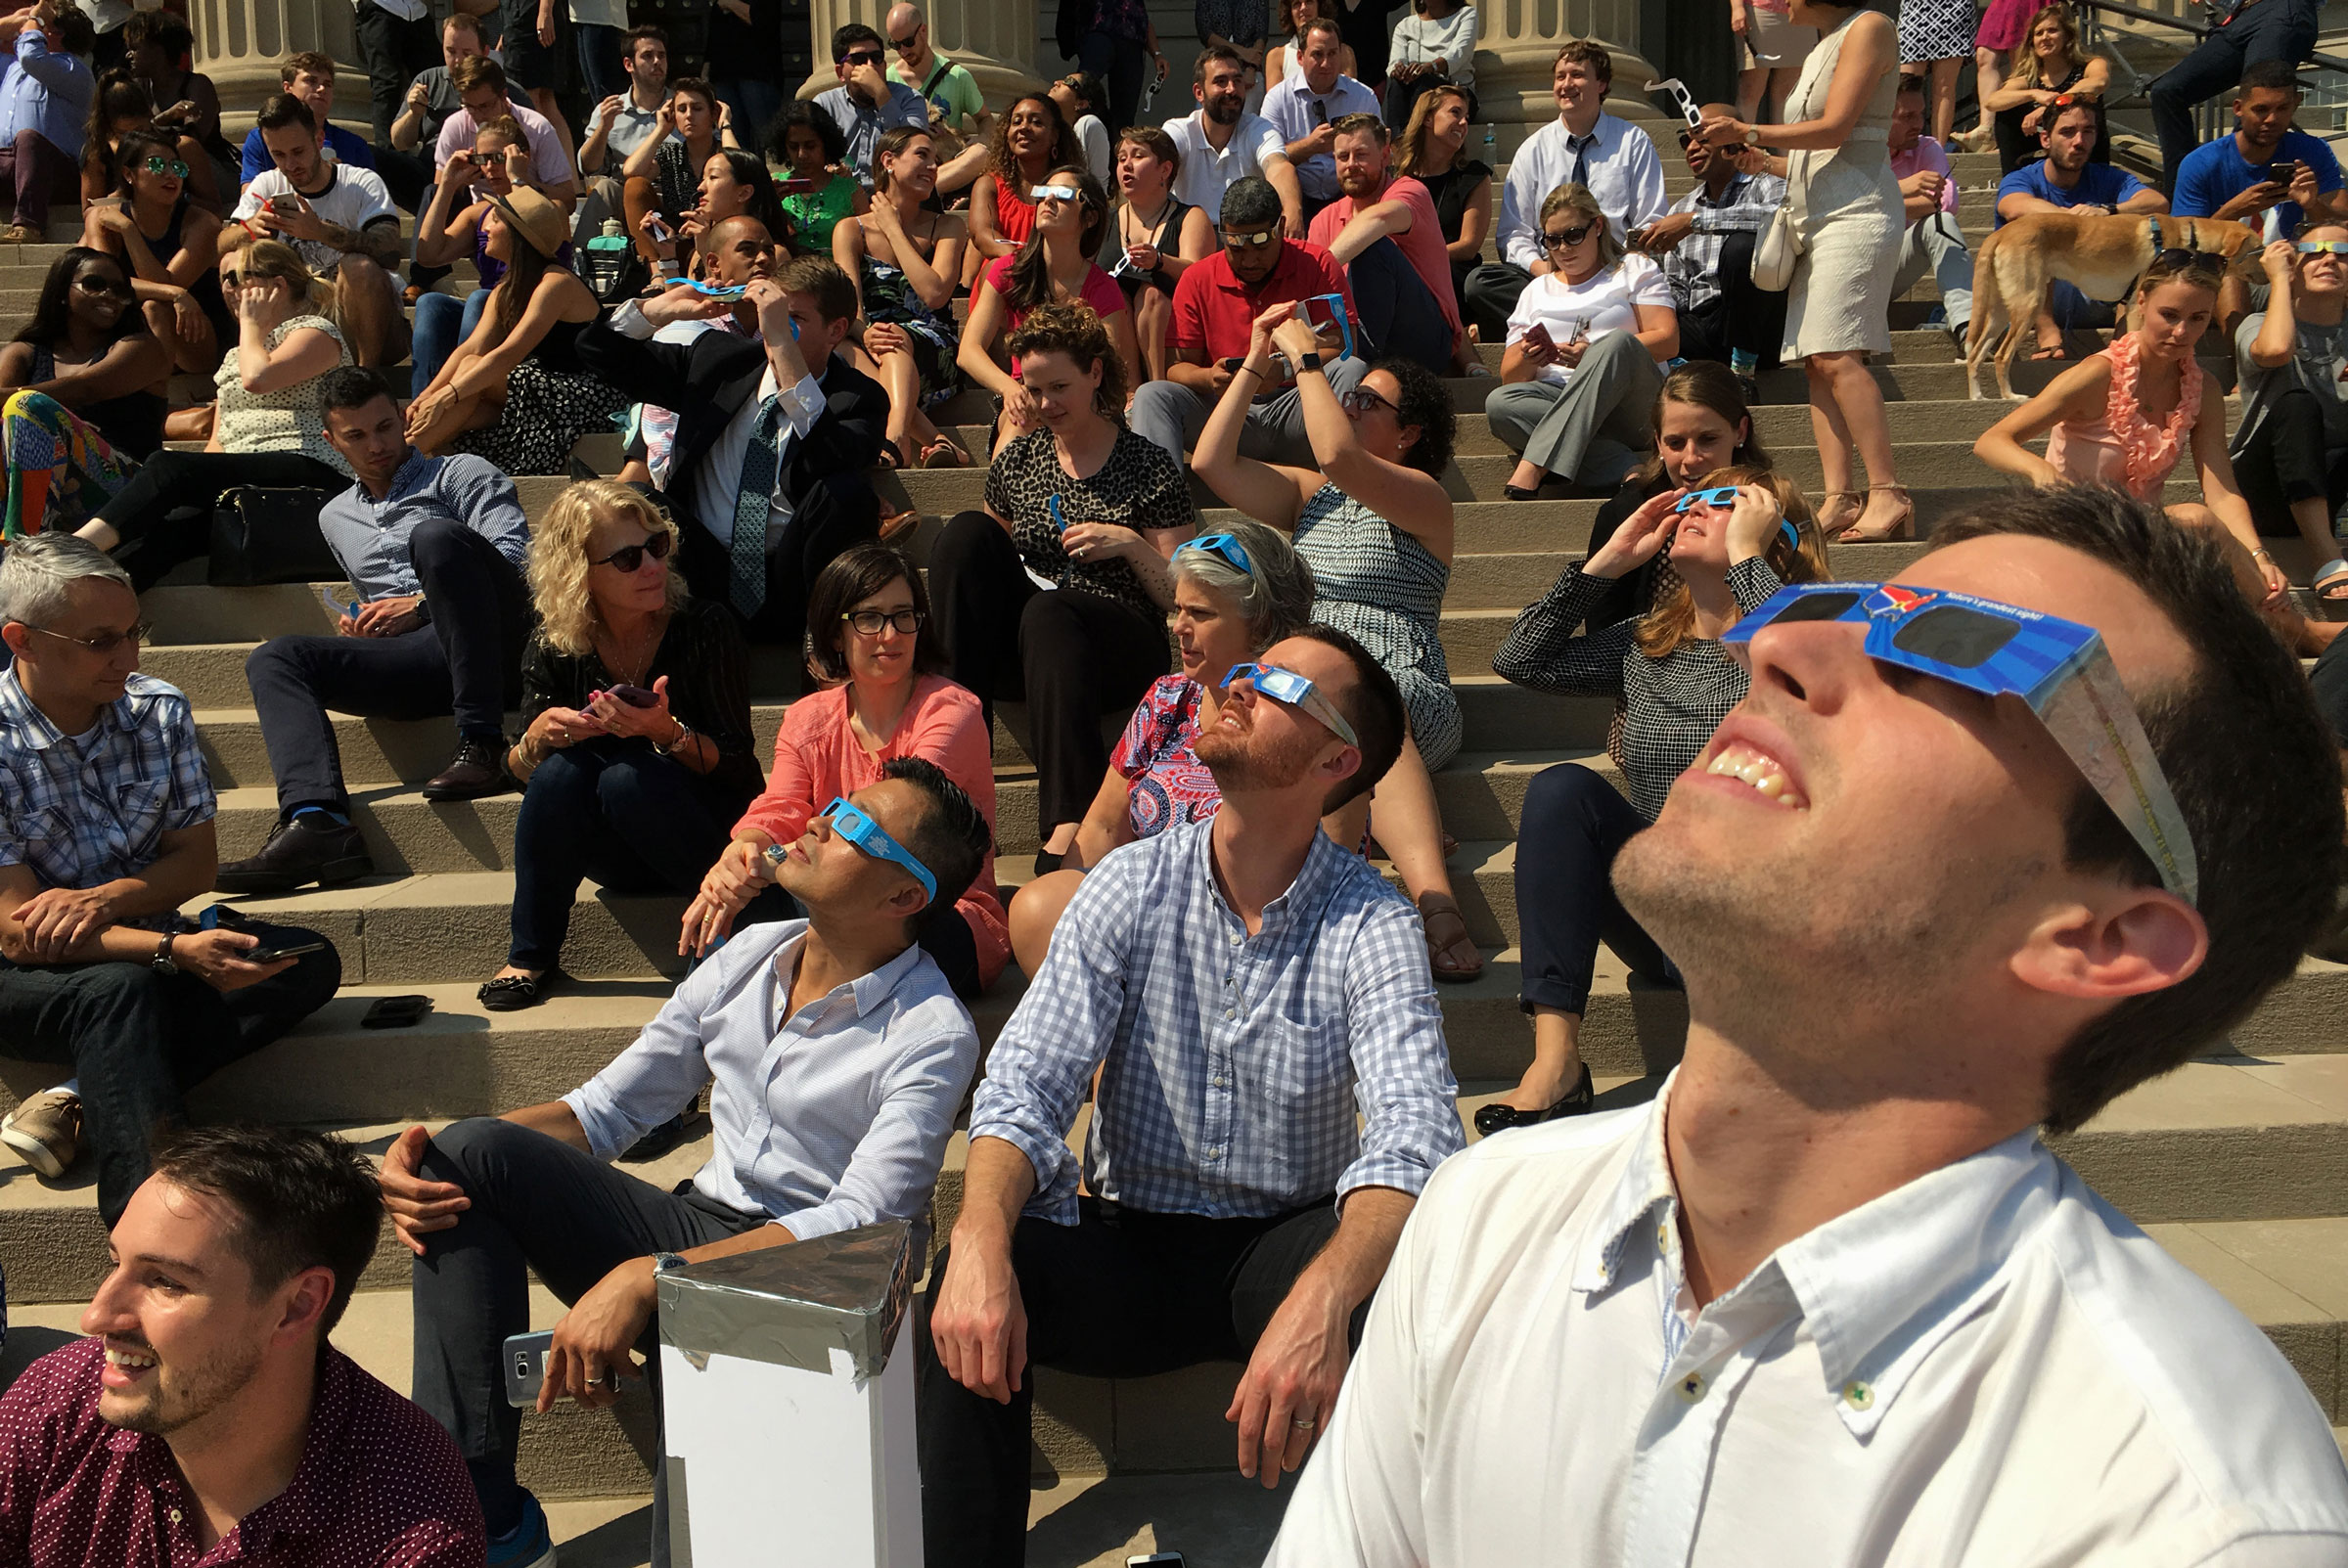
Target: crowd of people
x: 1277, y: 301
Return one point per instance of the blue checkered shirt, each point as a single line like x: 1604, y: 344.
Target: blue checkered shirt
x: 82, y: 810
x: 1235, y: 1063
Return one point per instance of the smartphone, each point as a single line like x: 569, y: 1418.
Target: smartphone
x: 526, y: 1367
x: 1320, y: 111
x: 270, y: 955
x: 794, y: 186
x: 1233, y: 364
x: 635, y: 696
x: 1536, y: 338
x: 396, y: 1012
x: 2282, y: 173
x: 217, y: 915
x: 1158, y: 1559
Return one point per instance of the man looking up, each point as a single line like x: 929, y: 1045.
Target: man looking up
x: 1582, y: 145
x: 1305, y: 105
x: 1828, y: 1298
x: 836, y: 1056
x: 1222, y: 144
x: 1705, y: 244
x: 1231, y: 1209
x: 866, y: 102
x: 44, y: 109
x: 206, y: 1415
x: 342, y: 223
x: 2068, y: 180
x: 310, y: 77
x: 1385, y: 234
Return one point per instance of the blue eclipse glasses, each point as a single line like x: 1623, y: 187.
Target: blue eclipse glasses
x: 872, y: 840
x: 1725, y: 495
x: 2059, y: 668
x: 1291, y: 690
x: 1223, y: 546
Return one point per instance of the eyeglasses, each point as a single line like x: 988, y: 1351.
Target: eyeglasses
x: 2323, y: 248
x: 2179, y: 261
x: 628, y: 558
x: 1291, y: 690
x: 872, y: 839
x: 906, y: 46
x: 1054, y: 192
x: 1250, y: 242
x: 2059, y: 668
x: 156, y: 163
x: 1361, y: 400
x: 1223, y: 546
x: 92, y: 285
x: 104, y: 643
x: 1558, y: 239
x: 867, y: 623
x: 862, y: 57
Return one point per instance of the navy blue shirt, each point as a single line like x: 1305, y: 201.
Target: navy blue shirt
x: 2105, y: 185
x: 348, y: 146
x: 2216, y: 172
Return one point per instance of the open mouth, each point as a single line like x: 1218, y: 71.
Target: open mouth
x: 124, y: 1367
x: 1758, y: 769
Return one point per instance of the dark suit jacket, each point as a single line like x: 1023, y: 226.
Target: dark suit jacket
x: 707, y: 380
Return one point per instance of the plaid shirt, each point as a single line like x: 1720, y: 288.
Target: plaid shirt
x: 1692, y: 266
x: 1233, y: 1062
x: 81, y: 810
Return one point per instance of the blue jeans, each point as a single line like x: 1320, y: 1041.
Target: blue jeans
x: 2278, y: 29
x: 753, y: 104
x: 442, y: 322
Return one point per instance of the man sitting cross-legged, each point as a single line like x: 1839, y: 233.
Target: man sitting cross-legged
x: 434, y: 549
x: 1383, y: 230
x: 105, y: 828
x: 207, y: 1417
x: 1242, y: 985
x: 836, y: 1058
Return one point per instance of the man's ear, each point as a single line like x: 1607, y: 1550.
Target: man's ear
x: 908, y: 900
x: 305, y: 1297
x: 15, y: 634
x: 2137, y: 940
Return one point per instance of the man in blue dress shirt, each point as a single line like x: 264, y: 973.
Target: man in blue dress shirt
x: 836, y: 1058
x: 44, y: 110
x: 1244, y: 985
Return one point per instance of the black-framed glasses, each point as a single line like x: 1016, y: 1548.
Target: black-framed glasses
x: 906, y: 46
x: 1361, y: 400
x: 92, y: 284
x: 156, y: 163
x: 1250, y: 242
x: 2181, y: 260
x: 1559, y: 239
x: 104, y: 643
x: 869, y: 622
x: 862, y: 57
x: 630, y: 556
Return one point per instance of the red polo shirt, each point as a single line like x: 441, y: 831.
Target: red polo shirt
x: 1421, y: 245
x: 1213, y: 310
x: 379, y: 1484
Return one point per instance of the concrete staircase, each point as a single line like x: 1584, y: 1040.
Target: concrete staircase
x: 2235, y: 1161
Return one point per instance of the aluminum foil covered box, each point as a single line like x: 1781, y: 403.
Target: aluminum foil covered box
x: 788, y: 1401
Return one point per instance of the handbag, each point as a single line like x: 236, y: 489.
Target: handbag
x: 1779, y: 248
x: 263, y: 535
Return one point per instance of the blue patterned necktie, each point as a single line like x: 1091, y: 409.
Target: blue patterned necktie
x: 752, y: 503
x: 1580, y: 147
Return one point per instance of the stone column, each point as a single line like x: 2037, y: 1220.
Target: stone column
x: 994, y: 39
x: 1519, y: 44
x: 240, y: 43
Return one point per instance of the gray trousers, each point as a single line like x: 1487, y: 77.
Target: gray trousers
x: 1172, y: 415
x: 1592, y: 429
x: 1936, y: 244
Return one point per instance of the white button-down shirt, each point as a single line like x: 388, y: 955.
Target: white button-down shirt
x: 1987, y: 1367
x: 1295, y: 111
x: 1206, y: 173
x: 1620, y: 168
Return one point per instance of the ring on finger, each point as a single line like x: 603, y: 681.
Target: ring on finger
x: 1303, y: 1424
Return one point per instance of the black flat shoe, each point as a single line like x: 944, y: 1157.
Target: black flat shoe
x: 1518, y: 492
x: 512, y: 992
x: 1499, y: 1118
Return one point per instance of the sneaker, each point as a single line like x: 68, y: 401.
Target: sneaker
x: 528, y: 1545
x: 477, y: 769
x: 45, y: 1131
x: 310, y: 848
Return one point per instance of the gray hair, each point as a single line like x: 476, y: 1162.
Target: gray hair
x: 1275, y: 598
x: 37, y: 574
x: 1250, y: 202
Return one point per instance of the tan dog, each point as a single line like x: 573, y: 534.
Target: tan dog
x: 2100, y: 255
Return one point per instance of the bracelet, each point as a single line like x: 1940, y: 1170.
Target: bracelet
x: 2260, y: 554
x: 684, y: 733
x: 1250, y: 369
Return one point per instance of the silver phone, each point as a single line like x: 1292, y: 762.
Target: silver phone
x: 526, y: 1367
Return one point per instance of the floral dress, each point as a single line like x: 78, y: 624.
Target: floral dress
x: 888, y: 296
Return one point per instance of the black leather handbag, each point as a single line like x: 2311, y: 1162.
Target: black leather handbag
x: 262, y: 535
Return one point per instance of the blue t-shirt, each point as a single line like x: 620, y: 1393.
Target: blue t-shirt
x: 348, y: 147
x: 2216, y: 172
x: 2103, y: 185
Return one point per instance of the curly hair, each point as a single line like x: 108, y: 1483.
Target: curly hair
x: 560, y: 564
x: 1075, y: 331
x: 1425, y: 403
x: 1063, y: 150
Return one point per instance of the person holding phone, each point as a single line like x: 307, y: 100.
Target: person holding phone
x: 2269, y: 174
x: 1305, y: 105
x: 819, y: 191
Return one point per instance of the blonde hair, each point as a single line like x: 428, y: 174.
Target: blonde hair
x: 558, y: 561
x: 1577, y: 198
x: 2025, y: 65
x: 1671, y: 622
x: 274, y: 258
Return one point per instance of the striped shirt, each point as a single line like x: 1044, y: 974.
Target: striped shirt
x: 1745, y: 205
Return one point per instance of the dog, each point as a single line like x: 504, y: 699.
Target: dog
x: 2102, y: 254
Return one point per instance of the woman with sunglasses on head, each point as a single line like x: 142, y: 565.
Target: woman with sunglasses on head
x: 120, y: 106
x: 1080, y: 97
x: 1431, y: 151
x: 1379, y: 568
x: 807, y: 142
x: 2050, y: 64
x: 1154, y: 238
x: 905, y: 260
x: 85, y: 384
x: 1055, y: 265
x: 876, y: 657
x: 1236, y: 592
x: 1732, y: 540
x: 451, y: 228
x: 174, y: 263
x: 1032, y: 140
x: 636, y: 748
x: 1584, y: 358
x: 2127, y: 416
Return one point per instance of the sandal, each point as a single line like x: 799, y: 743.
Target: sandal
x: 943, y: 453
x: 1902, y: 526
x: 2334, y: 574
x: 1830, y: 519
x: 1442, y: 956
x: 2060, y: 351
x: 511, y: 992
x: 890, y: 458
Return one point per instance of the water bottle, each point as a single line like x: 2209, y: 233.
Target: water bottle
x: 1491, y: 144
x: 609, y: 256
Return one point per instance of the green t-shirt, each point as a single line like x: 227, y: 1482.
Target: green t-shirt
x: 950, y: 89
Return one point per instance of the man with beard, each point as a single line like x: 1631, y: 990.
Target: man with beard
x: 207, y: 1402
x: 1828, y: 1299
x: 1385, y: 233
x: 1222, y: 144
x: 1240, y: 985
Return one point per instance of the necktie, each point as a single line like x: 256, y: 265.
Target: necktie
x: 1580, y: 147
x: 752, y: 503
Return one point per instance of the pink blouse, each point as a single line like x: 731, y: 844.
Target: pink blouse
x: 817, y: 757
x: 2124, y: 449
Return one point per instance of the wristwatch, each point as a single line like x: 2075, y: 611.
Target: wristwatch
x: 1752, y: 136
x: 161, y: 963
x: 1311, y: 360
x: 773, y: 855
x: 667, y: 1262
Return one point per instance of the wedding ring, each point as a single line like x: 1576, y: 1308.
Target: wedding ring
x: 597, y: 1382
x: 1303, y: 1425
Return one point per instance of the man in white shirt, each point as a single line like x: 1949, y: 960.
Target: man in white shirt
x: 342, y: 222
x: 480, y: 84
x: 1221, y: 143
x: 1829, y: 1299
x: 1304, y: 107
x: 1584, y: 146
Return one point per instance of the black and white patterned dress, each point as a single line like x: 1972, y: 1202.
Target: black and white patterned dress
x: 1936, y: 29
x: 551, y: 401
x: 1383, y: 587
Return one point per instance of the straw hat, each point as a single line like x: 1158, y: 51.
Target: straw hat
x: 535, y: 218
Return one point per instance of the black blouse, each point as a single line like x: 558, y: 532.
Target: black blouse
x: 708, y: 670
x: 1138, y: 487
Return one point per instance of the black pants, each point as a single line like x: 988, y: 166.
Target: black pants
x: 2290, y: 459
x: 1739, y: 316
x: 539, y: 1206
x: 1574, y: 824
x: 2274, y: 29
x: 467, y: 662
x: 165, y: 514
x: 2328, y: 680
x: 1121, y: 65
x: 837, y: 513
x: 1121, y: 1293
x: 1492, y: 291
x: 1398, y: 312
x: 138, y: 1041
x: 1073, y: 657
x: 394, y: 51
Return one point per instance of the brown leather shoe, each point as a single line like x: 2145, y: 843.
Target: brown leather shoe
x: 477, y: 769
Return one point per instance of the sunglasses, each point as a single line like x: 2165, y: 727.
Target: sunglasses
x: 867, y: 623
x: 630, y: 556
x: 862, y: 57
x: 873, y: 840
x: 2323, y: 248
x: 1250, y: 242
x: 2208, y: 261
x: 1224, y: 547
x: 1558, y: 239
x: 156, y: 163
x: 104, y: 643
x: 1054, y: 192
x: 2059, y: 668
x: 906, y: 46
x: 1291, y: 690
x: 101, y: 286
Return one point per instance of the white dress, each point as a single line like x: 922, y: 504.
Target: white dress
x: 1841, y: 299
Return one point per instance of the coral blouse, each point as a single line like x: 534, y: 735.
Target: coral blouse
x: 817, y: 757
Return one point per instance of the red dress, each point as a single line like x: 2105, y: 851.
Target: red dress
x: 2007, y: 24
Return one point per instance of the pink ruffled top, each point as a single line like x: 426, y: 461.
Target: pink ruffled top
x: 2124, y: 449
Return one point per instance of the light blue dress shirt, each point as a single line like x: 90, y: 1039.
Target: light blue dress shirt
x: 370, y: 537
x: 45, y: 90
